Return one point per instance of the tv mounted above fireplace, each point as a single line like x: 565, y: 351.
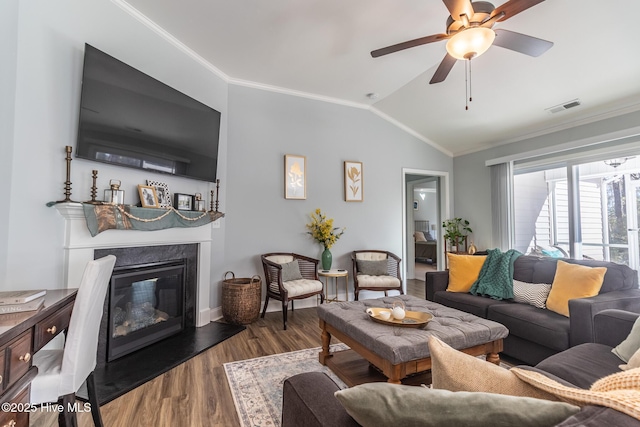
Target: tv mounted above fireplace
x: 130, y: 119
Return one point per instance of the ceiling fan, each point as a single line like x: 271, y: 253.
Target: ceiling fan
x: 470, y: 33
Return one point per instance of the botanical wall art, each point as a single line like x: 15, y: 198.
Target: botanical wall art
x: 295, y: 177
x: 353, y: 181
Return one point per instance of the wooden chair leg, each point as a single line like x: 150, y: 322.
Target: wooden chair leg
x: 285, y: 307
x: 266, y: 302
x: 93, y: 400
x: 67, y: 418
x: 292, y: 305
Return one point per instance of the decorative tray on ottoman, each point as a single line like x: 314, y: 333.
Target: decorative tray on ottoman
x: 412, y: 319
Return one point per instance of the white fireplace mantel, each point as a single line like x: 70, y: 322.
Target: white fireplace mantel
x: 79, y: 247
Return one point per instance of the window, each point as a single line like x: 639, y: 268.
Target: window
x: 598, y: 200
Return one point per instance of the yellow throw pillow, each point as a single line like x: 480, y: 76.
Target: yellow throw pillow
x: 573, y: 281
x: 463, y: 271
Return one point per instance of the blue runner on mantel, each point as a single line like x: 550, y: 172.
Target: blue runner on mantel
x: 496, y: 276
x: 109, y: 217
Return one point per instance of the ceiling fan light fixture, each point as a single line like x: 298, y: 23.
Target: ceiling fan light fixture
x: 470, y: 42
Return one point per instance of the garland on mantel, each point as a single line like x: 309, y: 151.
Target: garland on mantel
x: 118, y: 217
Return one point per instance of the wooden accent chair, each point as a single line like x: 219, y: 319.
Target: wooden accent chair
x: 62, y: 372
x: 376, y: 270
x: 289, y: 277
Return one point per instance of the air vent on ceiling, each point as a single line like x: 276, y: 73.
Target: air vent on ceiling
x: 564, y: 106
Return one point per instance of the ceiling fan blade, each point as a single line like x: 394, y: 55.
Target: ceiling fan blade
x: 408, y: 44
x: 522, y: 43
x: 513, y: 7
x: 489, y: 22
x: 459, y: 7
x: 443, y: 69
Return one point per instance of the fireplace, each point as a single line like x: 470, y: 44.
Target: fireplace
x: 151, y: 297
x: 146, y: 305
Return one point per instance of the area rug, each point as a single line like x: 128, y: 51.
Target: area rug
x: 256, y: 384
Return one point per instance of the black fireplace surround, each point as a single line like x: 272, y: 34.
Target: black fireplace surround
x: 177, y: 260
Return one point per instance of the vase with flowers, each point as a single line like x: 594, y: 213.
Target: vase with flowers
x: 322, y: 230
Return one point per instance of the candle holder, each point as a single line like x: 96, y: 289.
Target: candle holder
x: 94, y: 189
x: 67, y: 183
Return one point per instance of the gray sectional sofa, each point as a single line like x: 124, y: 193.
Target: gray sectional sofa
x: 535, y: 333
x: 308, y: 399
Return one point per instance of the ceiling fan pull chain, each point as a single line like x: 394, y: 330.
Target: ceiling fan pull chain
x: 466, y: 86
x: 470, y: 97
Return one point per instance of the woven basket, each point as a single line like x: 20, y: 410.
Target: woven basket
x: 241, y: 299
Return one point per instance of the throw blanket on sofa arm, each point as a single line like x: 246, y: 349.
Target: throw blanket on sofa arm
x: 496, y: 276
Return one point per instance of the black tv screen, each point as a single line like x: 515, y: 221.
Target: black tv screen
x: 131, y: 119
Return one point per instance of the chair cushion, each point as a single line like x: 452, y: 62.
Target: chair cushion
x: 280, y: 259
x: 366, y: 281
x: 372, y: 268
x: 371, y: 256
x: 291, y: 271
x: 302, y: 287
x: 45, y: 386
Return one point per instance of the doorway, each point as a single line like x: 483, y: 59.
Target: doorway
x: 426, y: 203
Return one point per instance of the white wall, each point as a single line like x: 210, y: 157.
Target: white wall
x: 44, y: 51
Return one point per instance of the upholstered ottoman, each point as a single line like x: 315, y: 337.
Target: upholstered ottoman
x: 400, y: 351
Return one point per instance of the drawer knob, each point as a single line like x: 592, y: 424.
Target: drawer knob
x: 52, y: 330
x: 25, y: 357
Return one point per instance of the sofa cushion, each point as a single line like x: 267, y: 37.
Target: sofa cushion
x: 573, y: 281
x: 534, y: 294
x: 468, y: 303
x: 454, y: 370
x: 384, y: 404
x: 463, y: 271
x: 598, y: 416
x: 534, y: 269
x: 543, y: 327
x: 583, y: 364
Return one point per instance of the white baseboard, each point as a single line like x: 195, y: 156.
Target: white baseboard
x: 274, y: 305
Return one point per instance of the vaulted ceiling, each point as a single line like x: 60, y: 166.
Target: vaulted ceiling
x: 321, y: 48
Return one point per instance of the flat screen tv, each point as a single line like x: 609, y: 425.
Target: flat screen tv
x: 130, y: 119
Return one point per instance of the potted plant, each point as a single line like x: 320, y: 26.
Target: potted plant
x: 322, y: 230
x: 455, y: 232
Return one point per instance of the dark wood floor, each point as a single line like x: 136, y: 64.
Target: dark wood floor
x: 196, y: 393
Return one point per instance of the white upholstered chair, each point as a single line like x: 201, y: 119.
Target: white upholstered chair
x: 289, y: 277
x: 376, y: 270
x: 62, y: 372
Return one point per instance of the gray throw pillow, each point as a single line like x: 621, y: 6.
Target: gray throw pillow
x: 630, y: 345
x: 383, y: 404
x: 291, y: 271
x: 372, y: 268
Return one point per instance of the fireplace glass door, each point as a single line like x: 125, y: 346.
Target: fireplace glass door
x: 146, y: 305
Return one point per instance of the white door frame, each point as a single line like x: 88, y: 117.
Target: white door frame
x: 444, y: 201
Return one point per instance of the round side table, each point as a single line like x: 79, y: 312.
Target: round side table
x: 336, y: 274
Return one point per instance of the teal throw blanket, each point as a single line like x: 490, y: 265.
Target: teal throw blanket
x: 496, y: 276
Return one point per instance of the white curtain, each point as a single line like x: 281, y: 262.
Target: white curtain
x: 501, y: 205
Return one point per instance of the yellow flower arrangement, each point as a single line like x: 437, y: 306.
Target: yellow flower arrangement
x: 322, y: 229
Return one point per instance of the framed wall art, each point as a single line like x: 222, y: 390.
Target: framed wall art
x: 148, y: 197
x: 162, y: 191
x: 183, y: 202
x: 353, y: 181
x: 295, y: 177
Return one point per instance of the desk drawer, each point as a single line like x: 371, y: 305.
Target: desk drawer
x: 14, y: 418
x: 48, y: 328
x: 19, y: 355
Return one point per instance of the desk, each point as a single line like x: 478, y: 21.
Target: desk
x: 21, y: 335
x: 335, y: 274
